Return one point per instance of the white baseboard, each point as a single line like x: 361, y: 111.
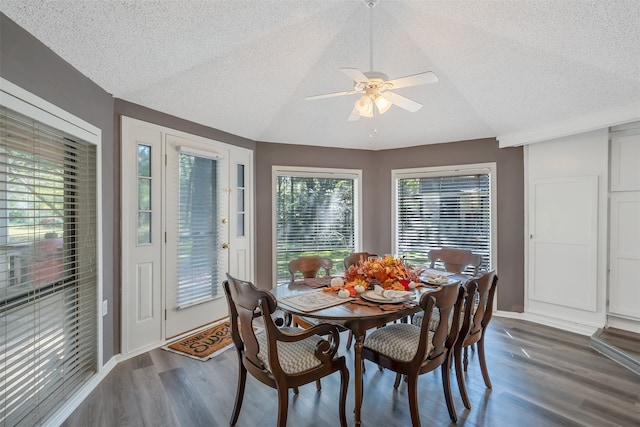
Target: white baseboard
x: 67, y: 409
x: 553, y: 322
x: 624, y: 324
x: 508, y: 314
x: 563, y: 324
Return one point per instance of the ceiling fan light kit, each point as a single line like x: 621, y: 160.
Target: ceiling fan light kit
x: 374, y: 87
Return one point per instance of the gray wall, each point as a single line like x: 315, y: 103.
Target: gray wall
x: 376, y: 228
x: 29, y: 64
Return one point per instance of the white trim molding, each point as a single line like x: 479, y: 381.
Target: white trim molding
x: 585, y: 123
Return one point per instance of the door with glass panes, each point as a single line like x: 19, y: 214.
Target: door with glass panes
x: 186, y: 223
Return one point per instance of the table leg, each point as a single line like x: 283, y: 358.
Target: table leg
x: 359, y: 337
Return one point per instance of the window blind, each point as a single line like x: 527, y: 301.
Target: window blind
x: 315, y: 216
x: 48, y: 268
x: 443, y: 211
x: 199, y: 229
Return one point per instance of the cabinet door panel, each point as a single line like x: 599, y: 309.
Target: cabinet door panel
x: 624, y: 279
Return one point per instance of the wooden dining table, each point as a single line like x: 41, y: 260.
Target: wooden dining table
x: 357, y: 315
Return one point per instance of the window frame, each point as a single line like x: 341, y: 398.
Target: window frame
x: 451, y: 170
x: 24, y: 102
x: 313, y: 172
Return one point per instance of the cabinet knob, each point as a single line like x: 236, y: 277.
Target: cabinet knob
x: 225, y: 246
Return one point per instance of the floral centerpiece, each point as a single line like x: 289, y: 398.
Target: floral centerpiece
x: 389, y: 272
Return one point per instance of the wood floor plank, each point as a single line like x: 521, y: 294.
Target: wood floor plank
x: 187, y: 404
x: 152, y: 399
x: 541, y: 377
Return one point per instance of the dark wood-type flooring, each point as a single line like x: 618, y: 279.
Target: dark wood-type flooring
x: 627, y: 342
x: 541, y: 377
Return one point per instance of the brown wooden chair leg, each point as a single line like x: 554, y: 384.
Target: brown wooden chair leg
x: 242, y: 379
x: 344, y: 383
x: 413, y: 400
x: 483, y: 363
x: 318, y: 385
x: 296, y: 390
x: 466, y: 358
x: 283, y: 406
x: 446, y: 385
x: 349, y: 340
x: 396, y: 384
x: 460, y: 377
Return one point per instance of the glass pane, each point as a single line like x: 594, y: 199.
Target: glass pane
x: 144, y: 228
x: 240, y: 175
x: 315, y: 216
x: 48, y: 267
x: 240, y: 226
x: 240, y: 200
x: 198, y: 275
x: 144, y: 194
x: 445, y: 211
x: 144, y: 160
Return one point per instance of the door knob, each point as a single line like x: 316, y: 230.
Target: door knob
x: 225, y: 246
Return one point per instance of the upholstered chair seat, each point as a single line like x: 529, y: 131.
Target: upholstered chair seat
x: 294, y: 357
x: 398, y: 341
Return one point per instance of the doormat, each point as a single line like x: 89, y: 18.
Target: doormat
x: 205, y: 344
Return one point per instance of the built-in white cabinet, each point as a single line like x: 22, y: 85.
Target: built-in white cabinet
x: 625, y: 159
x: 624, y: 245
x: 567, y: 185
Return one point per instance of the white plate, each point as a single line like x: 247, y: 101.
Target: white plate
x: 373, y: 297
x: 440, y: 281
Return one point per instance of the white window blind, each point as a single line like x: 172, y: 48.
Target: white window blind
x: 443, y: 210
x: 48, y: 268
x: 316, y: 214
x: 199, y: 228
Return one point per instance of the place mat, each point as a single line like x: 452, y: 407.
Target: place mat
x: 205, y: 344
x: 315, y: 282
x: 383, y: 307
x: 312, y: 300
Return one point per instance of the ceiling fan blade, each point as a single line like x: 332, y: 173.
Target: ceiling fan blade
x: 355, y: 74
x: 355, y: 115
x: 414, y: 80
x: 403, y: 102
x: 330, y: 95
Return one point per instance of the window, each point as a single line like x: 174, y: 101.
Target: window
x: 144, y: 195
x: 316, y: 213
x: 48, y: 267
x: 241, y: 209
x: 199, y: 275
x: 443, y: 207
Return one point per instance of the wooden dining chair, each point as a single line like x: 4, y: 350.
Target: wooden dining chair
x: 412, y: 350
x: 356, y: 257
x: 281, y: 358
x: 309, y: 266
x: 481, y: 313
x: 455, y: 260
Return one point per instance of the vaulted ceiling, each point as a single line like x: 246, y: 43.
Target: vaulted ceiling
x: 245, y: 67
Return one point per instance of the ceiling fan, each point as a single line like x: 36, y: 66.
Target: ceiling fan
x: 375, y: 87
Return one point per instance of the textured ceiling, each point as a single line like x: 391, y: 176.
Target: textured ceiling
x: 245, y: 66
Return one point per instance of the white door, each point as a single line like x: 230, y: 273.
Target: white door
x: 563, y: 241
x: 187, y: 220
x: 197, y: 233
